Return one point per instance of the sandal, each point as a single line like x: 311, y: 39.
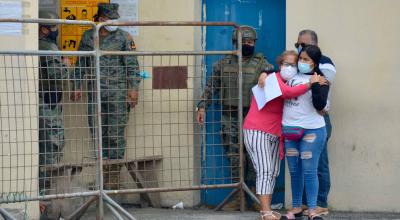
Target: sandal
x: 315, y: 217
x: 291, y: 216
x: 270, y: 215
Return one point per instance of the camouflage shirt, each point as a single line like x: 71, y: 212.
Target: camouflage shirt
x: 224, y: 80
x: 52, y: 72
x: 115, y: 71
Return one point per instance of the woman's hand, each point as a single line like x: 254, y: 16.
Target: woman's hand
x: 315, y: 78
x: 261, y: 79
x: 323, y: 81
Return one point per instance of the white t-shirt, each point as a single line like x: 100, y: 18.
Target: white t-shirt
x: 300, y: 111
x: 329, y: 70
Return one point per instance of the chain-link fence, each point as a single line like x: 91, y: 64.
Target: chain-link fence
x: 119, y: 122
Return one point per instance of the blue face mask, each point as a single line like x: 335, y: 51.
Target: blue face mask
x: 304, y: 67
x: 53, y: 35
x: 299, y: 49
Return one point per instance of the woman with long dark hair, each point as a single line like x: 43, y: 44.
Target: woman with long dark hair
x: 304, y: 132
x: 262, y: 132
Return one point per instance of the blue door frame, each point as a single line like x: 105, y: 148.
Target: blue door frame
x: 269, y: 19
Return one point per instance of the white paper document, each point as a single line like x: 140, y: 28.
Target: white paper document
x: 270, y: 91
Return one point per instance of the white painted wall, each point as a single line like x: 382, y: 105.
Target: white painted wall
x: 18, y: 121
x: 362, y: 38
x: 162, y: 122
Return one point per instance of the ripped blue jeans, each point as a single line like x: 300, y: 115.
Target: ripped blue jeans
x: 303, y: 157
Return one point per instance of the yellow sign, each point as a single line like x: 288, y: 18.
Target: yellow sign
x: 70, y: 42
x: 84, y: 13
x: 76, y: 10
x: 68, y: 13
x: 83, y: 3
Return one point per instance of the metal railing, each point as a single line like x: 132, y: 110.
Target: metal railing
x: 165, y: 145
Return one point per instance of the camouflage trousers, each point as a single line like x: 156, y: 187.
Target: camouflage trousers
x: 51, y: 136
x: 114, y: 119
x: 230, y: 136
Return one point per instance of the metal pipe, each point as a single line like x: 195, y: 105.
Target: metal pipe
x: 173, y: 189
x: 226, y: 200
x: 240, y: 113
x: 250, y: 193
x: 99, y: 167
x: 121, y: 53
x: 47, y: 21
x: 6, y: 215
x: 117, y: 23
x: 47, y: 53
x: 152, y: 53
x: 77, y: 214
x: 114, y: 212
x: 166, y: 23
x: 55, y: 196
x: 115, y: 205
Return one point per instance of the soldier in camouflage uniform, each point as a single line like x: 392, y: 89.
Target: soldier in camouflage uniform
x: 119, y: 82
x: 52, y: 71
x: 224, y: 81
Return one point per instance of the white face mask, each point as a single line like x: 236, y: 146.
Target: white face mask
x: 287, y: 72
x: 111, y: 28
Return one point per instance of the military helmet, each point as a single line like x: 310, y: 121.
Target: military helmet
x: 109, y: 10
x: 48, y: 15
x: 248, y: 32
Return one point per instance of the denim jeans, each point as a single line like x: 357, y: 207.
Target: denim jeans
x: 303, y: 158
x: 324, y: 177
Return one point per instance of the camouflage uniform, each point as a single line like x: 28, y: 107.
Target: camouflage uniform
x: 224, y: 82
x: 51, y: 132
x: 118, y: 74
x: 51, y: 122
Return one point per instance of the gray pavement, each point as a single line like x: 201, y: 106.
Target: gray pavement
x: 208, y: 214
x: 205, y: 214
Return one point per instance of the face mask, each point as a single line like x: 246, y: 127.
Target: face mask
x: 247, y: 50
x: 111, y: 28
x: 299, y: 49
x: 53, y: 35
x: 304, y: 67
x: 287, y: 72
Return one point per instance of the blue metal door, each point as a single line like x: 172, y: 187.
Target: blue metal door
x: 269, y: 19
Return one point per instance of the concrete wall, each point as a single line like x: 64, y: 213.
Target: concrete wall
x: 362, y: 39
x: 162, y: 122
x: 18, y: 121
x: 150, y: 122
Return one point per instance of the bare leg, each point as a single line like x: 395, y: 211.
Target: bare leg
x: 265, y: 202
x: 265, y: 209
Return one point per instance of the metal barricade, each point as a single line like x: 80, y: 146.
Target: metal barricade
x: 105, y: 146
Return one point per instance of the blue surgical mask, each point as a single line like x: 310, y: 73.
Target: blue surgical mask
x: 304, y: 67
